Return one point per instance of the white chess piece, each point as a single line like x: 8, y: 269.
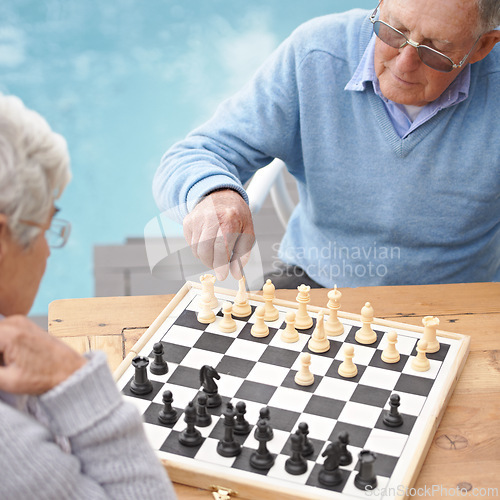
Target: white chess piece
x: 430, y: 325
x: 205, y: 314
x: 207, y: 285
x: 241, y: 306
x: 333, y: 327
x: 319, y: 341
x: 227, y: 323
x: 259, y: 328
x: 289, y: 334
x: 390, y: 354
x: 302, y: 319
x: 365, y: 335
x: 347, y: 368
x: 420, y: 363
x: 304, y: 376
x: 270, y: 312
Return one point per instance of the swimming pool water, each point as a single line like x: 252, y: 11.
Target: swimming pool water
x: 122, y: 80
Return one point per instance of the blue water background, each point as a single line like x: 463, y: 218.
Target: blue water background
x: 123, y: 80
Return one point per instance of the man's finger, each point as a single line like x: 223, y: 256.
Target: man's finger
x: 241, y: 254
x: 220, y: 263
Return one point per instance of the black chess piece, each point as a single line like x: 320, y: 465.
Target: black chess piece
x: 190, y: 436
x: 330, y: 474
x: 207, y: 376
x: 296, y: 464
x: 141, y: 384
x: 167, y: 414
x: 366, y: 478
x: 159, y: 365
x: 393, y: 418
x: 242, y: 426
x: 228, y: 447
x: 265, y: 414
x: 307, y: 446
x: 262, y: 459
x: 345, y: 454
x: 203, y: 418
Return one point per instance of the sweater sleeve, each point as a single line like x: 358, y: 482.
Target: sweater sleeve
x: 110, y: 456
x: 248, y: 131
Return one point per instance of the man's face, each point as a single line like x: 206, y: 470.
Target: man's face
x: 445, y: 25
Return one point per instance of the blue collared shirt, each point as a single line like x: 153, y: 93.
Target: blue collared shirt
x: 365, y: 72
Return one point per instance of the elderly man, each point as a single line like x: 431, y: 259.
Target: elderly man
x: 65, y: 431
x: 388, y: 120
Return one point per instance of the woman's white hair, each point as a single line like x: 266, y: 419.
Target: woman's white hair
x: 34, y: 168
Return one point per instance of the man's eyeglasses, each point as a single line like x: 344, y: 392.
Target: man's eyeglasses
x: 429, y: 56
x: 57, y: 231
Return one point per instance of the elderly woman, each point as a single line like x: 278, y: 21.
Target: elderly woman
x: 65, y: 431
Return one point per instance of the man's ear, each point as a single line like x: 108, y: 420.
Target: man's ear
x: 485, y: 45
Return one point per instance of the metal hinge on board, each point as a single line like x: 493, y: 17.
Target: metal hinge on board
x: 221, y: 493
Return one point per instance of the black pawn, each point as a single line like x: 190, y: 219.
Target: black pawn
x: 141, y: 384
x: 262, y: 459
x: 228, y: 447
x: 307, y: 446
x: 241, y: 427
x: 203, y: 418
x: 330, y: 474
x: 366, y: 479
x: 345, y: 454
x: 393, y: 418
x: 296, y: 464
x: 159, y: 365
x: 167, y: 414
x: 265, y: 414
x: 190, y: 436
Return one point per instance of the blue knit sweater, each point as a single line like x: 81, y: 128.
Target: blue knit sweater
x: 375, y: 209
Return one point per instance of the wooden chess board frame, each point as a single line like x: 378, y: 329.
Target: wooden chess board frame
x: 203, y: 477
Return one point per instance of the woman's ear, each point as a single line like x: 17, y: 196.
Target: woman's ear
x: 5, y: 235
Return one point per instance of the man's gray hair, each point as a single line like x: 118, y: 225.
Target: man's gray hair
x: 34, y: 168
x: 489, y: 14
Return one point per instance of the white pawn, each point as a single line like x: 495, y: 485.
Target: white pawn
x: 289, y: 334
x: 241, y: 306
x: 333, y: 326
x: 319, y: 341
x: 205, y: 315
x: 304, y: 376
x: 347, y: 368
x: 365, y: 335
x: 420, y: 363
x: 430, y: 325
x: 270, y: 312
x: 259, y: 328
x: 390, y: 354
x: 227, y: 323
x: 302, y: 319
x: 207, y: 285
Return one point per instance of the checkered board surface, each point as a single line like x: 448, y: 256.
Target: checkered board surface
x: 260, y: 372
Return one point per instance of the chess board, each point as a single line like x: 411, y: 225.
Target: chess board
x: 260, y: 372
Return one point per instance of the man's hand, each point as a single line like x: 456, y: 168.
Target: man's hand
x: 33, y: 361
x: 220, y: 232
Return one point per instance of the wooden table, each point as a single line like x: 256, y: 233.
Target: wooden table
x: 466, y: 449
